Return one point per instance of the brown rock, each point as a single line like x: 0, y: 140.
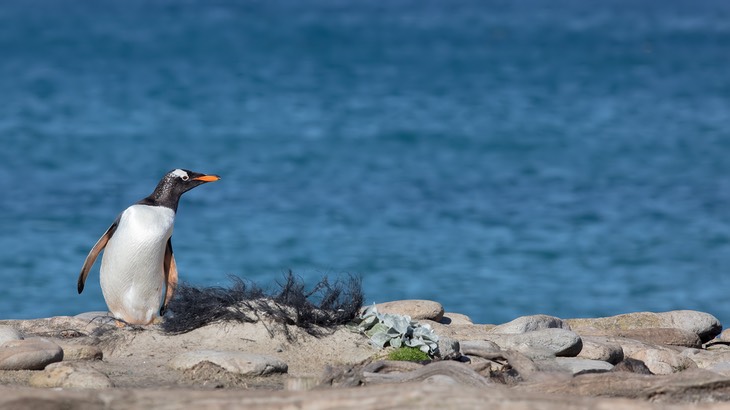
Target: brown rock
x: 456, y: 319
x: 80, y: 352
x: 70, y: 375
x: 415, y: 308
x: 704, y: 325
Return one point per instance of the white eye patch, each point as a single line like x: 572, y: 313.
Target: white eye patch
x: 180, y: 173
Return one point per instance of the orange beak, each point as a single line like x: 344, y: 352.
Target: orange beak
x: 208, y: 178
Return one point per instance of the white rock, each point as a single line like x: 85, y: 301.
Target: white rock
x: 8, y: 333
x: 577, y: 365
x: 246, y: 364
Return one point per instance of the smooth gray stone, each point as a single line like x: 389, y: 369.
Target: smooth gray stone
x: 560, y: 342
x: 29, y: 354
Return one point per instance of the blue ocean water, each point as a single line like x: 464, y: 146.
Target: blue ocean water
x: 503, y: 158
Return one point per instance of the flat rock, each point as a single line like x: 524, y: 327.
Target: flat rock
x: 459, y: 332
x: 8, y: 333
x: 246, y: 364
x: 29, y: 354
x: 576, y: 365
x: 71, y: 376
x: 704, y: 325
x: 601, y: 348
x: 693, y: 386
x: 560, y: 342
x: 653, y: 335
x: 531, y: 323
x: 451, y: 318
x: 415, y: 308
x: 57, y: 326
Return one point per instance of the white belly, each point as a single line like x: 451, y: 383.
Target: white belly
x: 132, y: 275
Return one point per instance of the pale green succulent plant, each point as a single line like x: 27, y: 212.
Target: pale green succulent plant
x: 385, y: 329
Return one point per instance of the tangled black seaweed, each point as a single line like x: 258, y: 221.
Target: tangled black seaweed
x: 316, y: 311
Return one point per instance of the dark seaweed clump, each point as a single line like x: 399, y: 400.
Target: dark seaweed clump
x: 317, y: 310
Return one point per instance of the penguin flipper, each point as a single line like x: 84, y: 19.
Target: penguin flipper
x: 94, y: 253
x: 170, y: 276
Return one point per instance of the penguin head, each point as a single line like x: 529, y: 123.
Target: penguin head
x: 182, y: 180
x: 174, y: 184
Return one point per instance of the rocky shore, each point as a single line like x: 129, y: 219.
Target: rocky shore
x: 634, y: 361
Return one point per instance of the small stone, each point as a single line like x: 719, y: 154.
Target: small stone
x: 578, y: 365
x: 415, y: 308
x: 29, y: 354
x: 246, y: 364
x: 630, y: 365
x: 560, y: 342
x: 456, y: 319
x: 601, y: 348
x: 71, y: 376
x: 80, y: 352
x: 8, y: 333
x: 526, y: 324
x: 702, y: 324
x: 664, y: 361
x: 449, y: 349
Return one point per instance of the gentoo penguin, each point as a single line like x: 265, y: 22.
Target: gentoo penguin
x: 138, y: 262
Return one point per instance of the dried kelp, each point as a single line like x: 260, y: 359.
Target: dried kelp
x: 317, y: 310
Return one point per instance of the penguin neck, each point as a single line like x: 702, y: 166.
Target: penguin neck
x: 163, y: 195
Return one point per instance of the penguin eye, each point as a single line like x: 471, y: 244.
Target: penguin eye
x: 184, y: 177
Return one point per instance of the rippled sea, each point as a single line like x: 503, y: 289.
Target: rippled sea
x: 504, y: 158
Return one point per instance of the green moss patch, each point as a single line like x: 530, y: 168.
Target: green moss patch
x: 408, y: 354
